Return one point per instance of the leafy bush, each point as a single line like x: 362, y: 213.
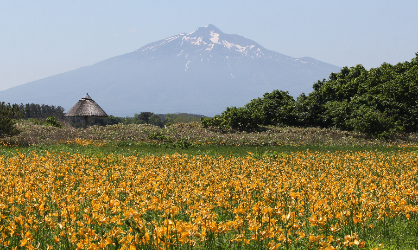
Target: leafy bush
x: 373, y: 122
x: 36, y: 121
x: 272, y: 109
x: 158, y: 136
x: 9, y: 114
x: 53, y: 122
x: 235, y: 118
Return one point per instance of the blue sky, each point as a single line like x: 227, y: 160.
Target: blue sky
x: 44, y: 37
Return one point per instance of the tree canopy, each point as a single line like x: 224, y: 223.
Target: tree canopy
x: 381, y: 102
x: 8, y: 116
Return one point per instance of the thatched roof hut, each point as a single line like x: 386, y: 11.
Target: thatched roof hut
x: 86, y: 107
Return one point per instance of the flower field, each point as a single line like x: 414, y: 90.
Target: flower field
x: 304, y: 200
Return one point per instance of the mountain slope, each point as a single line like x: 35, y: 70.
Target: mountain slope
x: 201, y: 72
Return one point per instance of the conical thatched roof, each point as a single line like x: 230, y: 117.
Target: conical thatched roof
x: 86, y: 107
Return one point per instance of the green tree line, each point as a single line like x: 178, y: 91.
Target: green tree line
x: 160, y: 120
x: 11, y: 113
x: 381, y: 102
x: 41, y: 111
x: 54, y: 115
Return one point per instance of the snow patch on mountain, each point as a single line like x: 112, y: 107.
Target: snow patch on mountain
x: 193, y: 40
x: 192, y: 32
x: 227, y: 44
x: 210, y: 47
x: 241, y: 49
x: 156, y: 45
x: 214, y: 37
x: 187, y: 65
x: 236, y: 47
x: 172, y: 38
x: 197, y: 41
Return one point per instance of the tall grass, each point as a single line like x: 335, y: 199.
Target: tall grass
x: 194, y: 133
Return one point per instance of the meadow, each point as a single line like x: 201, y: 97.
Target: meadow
x: 186, y: 187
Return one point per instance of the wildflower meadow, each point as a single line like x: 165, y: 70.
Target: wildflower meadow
x: 52, y: 198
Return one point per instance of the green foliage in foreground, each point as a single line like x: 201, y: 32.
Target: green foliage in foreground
x: 380, y: 102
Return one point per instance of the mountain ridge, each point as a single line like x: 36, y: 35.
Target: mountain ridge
x: 201, y: 72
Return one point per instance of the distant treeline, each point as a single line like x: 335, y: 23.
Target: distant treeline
x: 380, y: 102
x: 41, y: 111
x: 38, y: 113
x: 160, y: 120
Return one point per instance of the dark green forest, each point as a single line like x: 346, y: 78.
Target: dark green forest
x: 381, y: 102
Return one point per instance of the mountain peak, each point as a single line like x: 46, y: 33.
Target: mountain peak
x: 202, y: 73
x: 204, y: 31
x: 211, y: 27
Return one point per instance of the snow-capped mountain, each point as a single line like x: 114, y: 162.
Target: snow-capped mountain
x: 201, y: 72
x: 205, y: 43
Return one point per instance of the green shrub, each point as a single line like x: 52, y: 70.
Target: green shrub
x: 53, y: 122
x: 35, y: 121
x: 158, y: 136
x: 273, y: 108
x: 374, y: 122
x: 9, y: 114
x: 235, y: 118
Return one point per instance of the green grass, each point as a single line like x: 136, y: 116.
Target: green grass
x: 147, y: 149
